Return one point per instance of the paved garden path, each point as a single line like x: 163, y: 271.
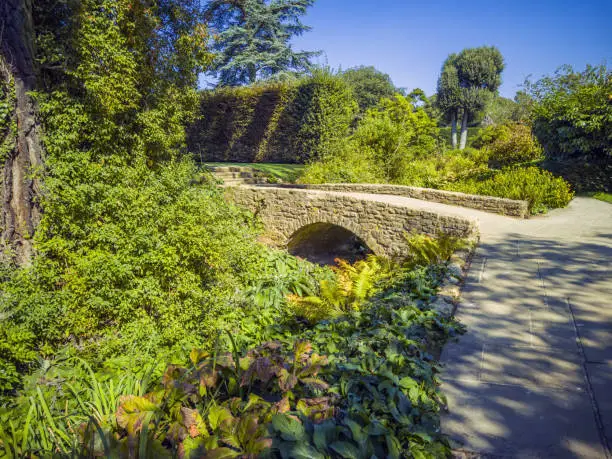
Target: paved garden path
x: 532, y: 377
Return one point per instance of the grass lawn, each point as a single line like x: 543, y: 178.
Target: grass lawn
x: 602, y: 196
x: 285, y: 172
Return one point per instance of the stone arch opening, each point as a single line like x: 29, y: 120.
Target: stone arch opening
x: 322, y: 243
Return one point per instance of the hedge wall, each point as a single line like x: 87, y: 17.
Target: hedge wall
x: 286, y: 123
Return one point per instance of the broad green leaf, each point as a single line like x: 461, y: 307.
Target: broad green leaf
x: 345, y: 449
x: 289, y: 428
x: 222, y: 453
x: 218, y: 415
x: 302, y: 450
x: 133, y: 411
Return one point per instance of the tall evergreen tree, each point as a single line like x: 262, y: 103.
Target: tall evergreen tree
x: 252, y: 40
x: 467, y: 82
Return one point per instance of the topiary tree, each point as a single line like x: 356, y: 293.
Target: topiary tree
x: 252, y: 40
x: 467, y: 81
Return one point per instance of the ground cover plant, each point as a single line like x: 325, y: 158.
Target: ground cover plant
x: 356, y: 384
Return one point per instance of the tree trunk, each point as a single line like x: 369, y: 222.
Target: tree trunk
x: 454, y: 129
x: 22, y: 166
x: 464, y: 122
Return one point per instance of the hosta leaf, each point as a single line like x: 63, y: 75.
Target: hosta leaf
x: 345, y: 449
x: 394, y: 447
x: 218, y: 415
x: 315, y: 382
x: 303, y: 450
x: 286, y: 380
x: 289, y: 428
x: 408, y: 383
x: 222, y: 453
x: 192, y: 448
x: 302, y: 350
x: 255, y: 400
x: 193, y: 422
x: 324, y: 434
x: 356, y: 430
x: 282, y: 406
x: 197, y: 355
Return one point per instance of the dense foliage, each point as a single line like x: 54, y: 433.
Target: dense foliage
x: 382, y: 147
x: 539, y: 187
x: 468, y: 81
x: 131, y: 255
x: 252, y: 39
x: 572, y: 113
x: 369, y: 86
x: 281, y: 122
x: 398, y: 142
x: 359, y: 385
x: 509, y: 143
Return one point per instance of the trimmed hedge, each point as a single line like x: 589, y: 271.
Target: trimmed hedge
x: 281, y: 122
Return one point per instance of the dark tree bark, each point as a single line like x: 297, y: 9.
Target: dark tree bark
x: 22, y: 167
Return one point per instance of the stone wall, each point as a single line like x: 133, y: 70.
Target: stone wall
x: 380, y: 225
x: 486, y: 203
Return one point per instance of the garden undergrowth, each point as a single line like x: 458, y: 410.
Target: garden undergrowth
x: 355, y: 381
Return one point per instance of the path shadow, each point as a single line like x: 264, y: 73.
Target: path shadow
x: 532, y: 377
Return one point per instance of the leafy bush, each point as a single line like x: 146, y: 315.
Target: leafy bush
x: 344, y: 164
x: 439, y: 170
x: 382, y: 147
x: 369, y: 86
x: 509, y: 143
x: 278, y: 122
x: 541, y: 188
x: 362, y: 384
x: 572, y: 113
x: 583, y: 175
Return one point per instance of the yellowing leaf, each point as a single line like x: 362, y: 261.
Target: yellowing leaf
x: 132, y: 412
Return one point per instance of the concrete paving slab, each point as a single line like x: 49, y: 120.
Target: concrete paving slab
x: 538, y: 307
x: 512, y: 421
x: 601, y: 382
x: 529, y: 366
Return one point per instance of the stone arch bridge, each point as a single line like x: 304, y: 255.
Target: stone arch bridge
x: 382, y: 226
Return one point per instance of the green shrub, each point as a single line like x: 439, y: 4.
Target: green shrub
x: 344, y: 164
x: 311, y: 391
x: 583, y: 175
x: 572, y: 113
x: 384, y: 145
x: 509, y: 143
x: 440, y: 170
x: 540, y: 188
x: 274, y: 122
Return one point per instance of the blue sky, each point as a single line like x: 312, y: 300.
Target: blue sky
x: 409, y: 40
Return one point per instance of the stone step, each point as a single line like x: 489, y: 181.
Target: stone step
x: 234, y: 174
x: 253, y: 181
x: 230, y: 169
